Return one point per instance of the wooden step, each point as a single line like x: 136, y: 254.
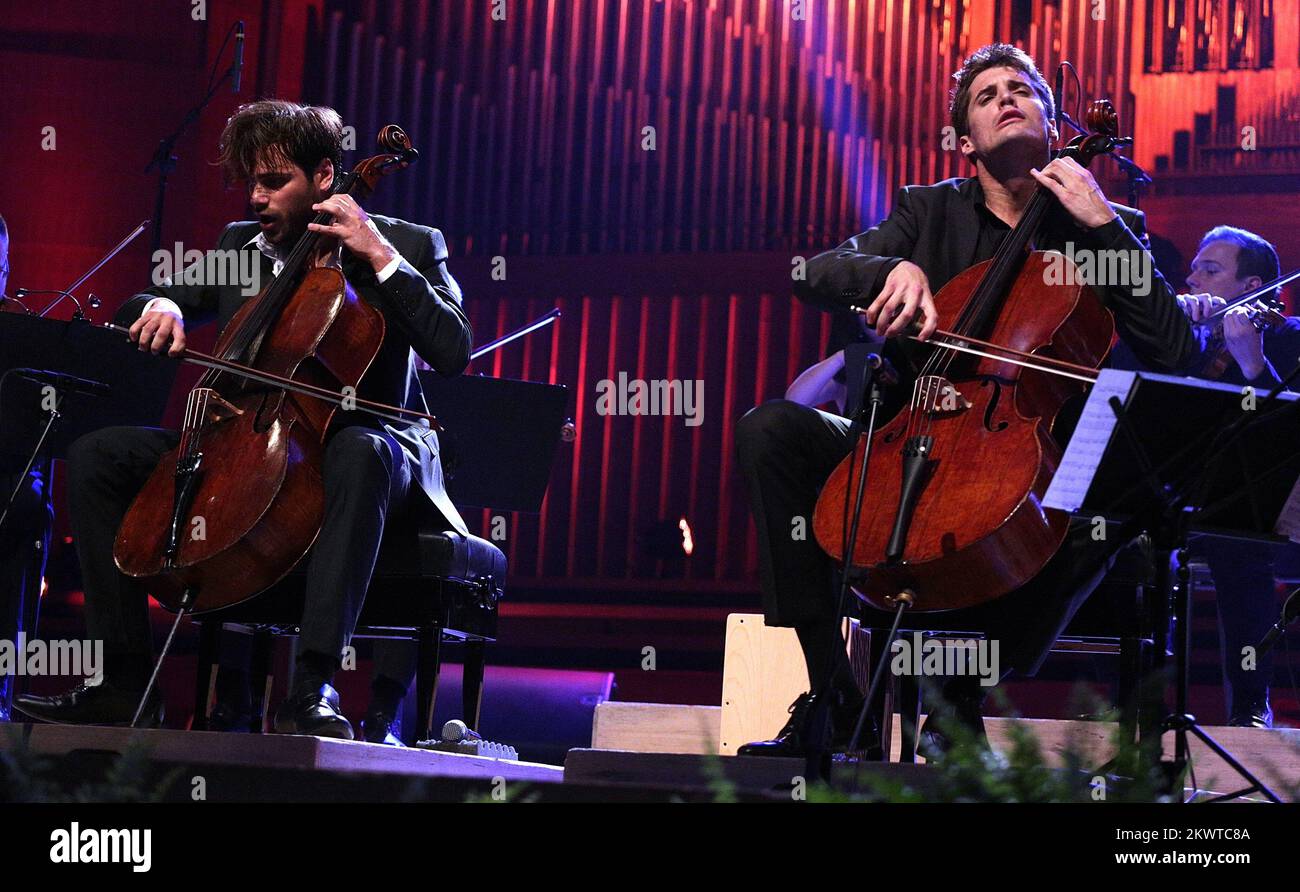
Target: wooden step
x: 1273, y: 755
x: 656, y: 728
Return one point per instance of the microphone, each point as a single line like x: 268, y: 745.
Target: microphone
x: 1289, y: 612
x: 457, y: 731
x: 883, y: 371
x: 238, y: 67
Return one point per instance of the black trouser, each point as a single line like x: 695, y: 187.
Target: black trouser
x: 1246, y: 599
x: 395, y: 660
x: 365, y: 473
x: 24, y: 546
x: 786, y: 452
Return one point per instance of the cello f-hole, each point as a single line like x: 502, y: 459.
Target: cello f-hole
x: 989, y: 424
x: 265, y: 415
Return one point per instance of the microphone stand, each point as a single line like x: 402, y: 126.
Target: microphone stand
x: 1136, y: 175
x: 58, y: 383
x: 861, y: 429
x: 163, y: 158
x: 54, y: 416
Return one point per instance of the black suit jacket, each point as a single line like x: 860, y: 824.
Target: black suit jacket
x: 421, y: 304
x: 936, y: 228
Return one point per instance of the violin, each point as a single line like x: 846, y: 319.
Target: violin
x: 965, y: 466
x: 1265, y: 310
x: 240, y: 500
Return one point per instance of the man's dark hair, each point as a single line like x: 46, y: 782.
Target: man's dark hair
x: 280, y: 131
x: 995, y: 55
x: 1255, y: 256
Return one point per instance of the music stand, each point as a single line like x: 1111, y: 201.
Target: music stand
x: 138, y: 383
x: 499, y: 440
x: 1224, y: 471
x: 58, y: 381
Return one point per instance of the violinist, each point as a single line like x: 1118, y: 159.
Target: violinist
x: 288, y: 156
x: 1001, y: 109
x: 1229, y: 263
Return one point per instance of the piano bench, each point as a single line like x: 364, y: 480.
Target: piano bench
x: 429, y: 586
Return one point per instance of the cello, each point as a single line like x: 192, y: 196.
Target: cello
x: 965, y: 465
x: 240, y: 500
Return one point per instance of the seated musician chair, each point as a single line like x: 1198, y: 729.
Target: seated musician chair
x: 429, y: 586
x: 1117, y: 620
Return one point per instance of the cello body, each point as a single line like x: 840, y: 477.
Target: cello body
x: 258, y: 502
x: 979, y: 529
x: 240, y: 500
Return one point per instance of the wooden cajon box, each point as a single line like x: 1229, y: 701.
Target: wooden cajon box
x: 762, y: 674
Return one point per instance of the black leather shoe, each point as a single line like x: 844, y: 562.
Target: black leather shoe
x: 92, y: 703
x: 380, y: 727
x: 792, y: 740
x: 1253, y: 716
x: 789, y: 741
x: 313, y: 711
x: 233, y: 710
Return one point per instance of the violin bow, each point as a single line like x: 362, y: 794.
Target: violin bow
x: 347, y: 402
x: 948, y: 340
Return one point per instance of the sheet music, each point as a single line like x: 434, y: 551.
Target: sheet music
x: 1288, y: 522
x: 1069, y: 487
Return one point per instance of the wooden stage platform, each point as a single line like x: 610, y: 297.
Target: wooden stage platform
x: 638, y: 751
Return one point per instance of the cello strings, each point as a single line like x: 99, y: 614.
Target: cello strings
x: 977, y: 311
x: 1010, y: 252
x: 980, y: 308
x: 272, y: 301
x: 183, y: 446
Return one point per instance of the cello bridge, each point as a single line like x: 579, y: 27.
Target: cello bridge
x: 936, y: 395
